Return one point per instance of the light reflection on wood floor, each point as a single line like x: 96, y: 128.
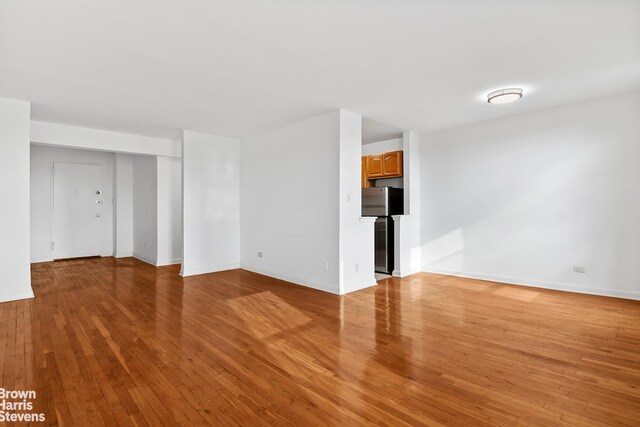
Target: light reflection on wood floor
x: 121, y: 342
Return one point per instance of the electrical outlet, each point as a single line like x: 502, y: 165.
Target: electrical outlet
x: 579, y: 269
x: 357, y: 266
x: 146, y: 245
x: 260, y: 254
x: 326, y: 266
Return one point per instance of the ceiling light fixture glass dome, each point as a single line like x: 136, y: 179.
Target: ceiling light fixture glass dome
x: 504, y: 96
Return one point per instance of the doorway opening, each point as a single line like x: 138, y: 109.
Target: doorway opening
x: 382, y: 189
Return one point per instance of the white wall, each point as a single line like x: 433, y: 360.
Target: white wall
x: 169, y: 193
x: 42, y: 159
x: 382, y: 147
x: 157, y: 209
x: 123, y: 205
x: 356, y: 268
x: 525, y: 199
x: 96, y: 139
x: 408, y: 252
x: 145, y: 205
x: 14, y: 203
x: 290, y: 202
x: 210, y: 211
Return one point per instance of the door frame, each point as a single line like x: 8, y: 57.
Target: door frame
x: 52, y: 199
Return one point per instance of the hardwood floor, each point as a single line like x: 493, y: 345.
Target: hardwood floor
x: 121, y: 342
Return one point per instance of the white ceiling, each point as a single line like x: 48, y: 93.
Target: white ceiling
x: 373, y: 131
x: 237, y: 67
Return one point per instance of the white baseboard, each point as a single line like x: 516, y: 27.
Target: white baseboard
x: 123, y: 255
x: 161, y: 263
x: 14, y: 296
x: 143, y: 259
x: 317, y: 286
x: 359, y: 286
x: 207, y: 270
x: 41, y: 259
x: 635, y: 295
x: 295, y: 280
x: 398, y: 273
x: 174, y: 261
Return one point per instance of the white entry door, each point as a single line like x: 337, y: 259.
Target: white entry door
x: 77, y: 210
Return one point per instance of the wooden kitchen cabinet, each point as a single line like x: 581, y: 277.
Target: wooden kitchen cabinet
x: 365, y: 177
x: 387, y: 165
x: 392, y: 164
x: 374, y: 166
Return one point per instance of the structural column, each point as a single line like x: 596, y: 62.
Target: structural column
x: 15, y: 259
x: 408, y: 248
x: 210, y: 203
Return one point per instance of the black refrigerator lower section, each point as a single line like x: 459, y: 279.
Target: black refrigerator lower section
x: 384, y: 245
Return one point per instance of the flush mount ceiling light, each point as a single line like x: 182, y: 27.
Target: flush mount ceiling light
x: 504, y: 96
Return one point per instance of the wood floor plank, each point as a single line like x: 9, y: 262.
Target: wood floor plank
x: 119, y: 342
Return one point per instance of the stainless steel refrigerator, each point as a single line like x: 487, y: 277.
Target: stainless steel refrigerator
x: 382, y: 202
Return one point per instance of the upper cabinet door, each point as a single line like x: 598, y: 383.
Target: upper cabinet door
x: 374, y: 166
x: 392, y: 164
x: 365, y: 178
